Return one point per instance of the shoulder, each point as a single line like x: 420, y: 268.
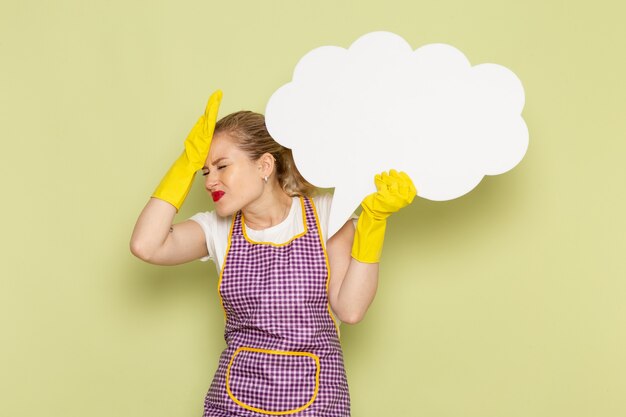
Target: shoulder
x: 212, y: 224
x: 216, y: 231
x: 205, y: 218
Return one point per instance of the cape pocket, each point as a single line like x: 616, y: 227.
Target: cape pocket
x: 272, y: 381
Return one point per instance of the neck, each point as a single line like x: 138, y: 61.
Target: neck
x: 269, y: 210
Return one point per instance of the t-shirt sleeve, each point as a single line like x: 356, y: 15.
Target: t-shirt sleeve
x: 355, y: 219
x: 322, y: 206
x: 323, y: 203
x: 208, y: 221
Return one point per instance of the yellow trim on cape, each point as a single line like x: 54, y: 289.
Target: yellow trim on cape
x: 321, y: 237
x: 319, y: 232
x: 219, y: 282
x: 245, y: 235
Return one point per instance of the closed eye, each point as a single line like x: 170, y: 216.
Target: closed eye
x: 207, y: 172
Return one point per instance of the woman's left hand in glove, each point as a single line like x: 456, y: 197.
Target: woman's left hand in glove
x: 394, y: 190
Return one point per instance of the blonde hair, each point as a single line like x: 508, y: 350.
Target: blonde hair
x: 248, y: 130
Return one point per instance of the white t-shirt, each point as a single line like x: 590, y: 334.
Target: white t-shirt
x: 217, y: 228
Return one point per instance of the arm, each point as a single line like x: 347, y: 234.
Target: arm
x: 354, y: 254
x: 155, y: 239
x: 352, y: 284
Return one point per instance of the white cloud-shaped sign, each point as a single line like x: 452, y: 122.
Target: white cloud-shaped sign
x: 349, y: 114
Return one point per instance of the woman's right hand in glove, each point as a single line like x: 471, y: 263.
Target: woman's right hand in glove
x: 155, y: 239
x: 175, y: 186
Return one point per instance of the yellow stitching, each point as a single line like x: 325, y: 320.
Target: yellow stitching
x: 274, y: 352
x: 219, y: 282
x: 319, y: 232
x: 245, y: 235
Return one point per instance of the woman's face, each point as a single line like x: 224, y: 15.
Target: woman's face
x: 232, y: 179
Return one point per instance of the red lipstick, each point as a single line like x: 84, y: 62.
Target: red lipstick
x: 217, y: 195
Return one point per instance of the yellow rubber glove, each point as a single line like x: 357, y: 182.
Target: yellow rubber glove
x: 394, y: 191
x: 175, y: 186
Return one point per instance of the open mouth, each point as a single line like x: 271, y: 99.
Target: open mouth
x: 217, y: 195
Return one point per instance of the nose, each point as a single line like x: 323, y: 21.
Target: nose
x: 211, y: 181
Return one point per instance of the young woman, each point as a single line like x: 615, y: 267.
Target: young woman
x: 283, y: 284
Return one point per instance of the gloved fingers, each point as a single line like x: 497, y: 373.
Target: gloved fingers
x: 194, y: 147
x: 403, y: 189
x: 213, y: 104
x: 199, y: 139
x: 404, y: 177
x: 410, y: 187
x: 400, y: 188
x: 387, y: 185
x: 386, y: 180
x: 394, y: 181
x: 393, y: 185
x: 412, y: 192
x: 379, y: 181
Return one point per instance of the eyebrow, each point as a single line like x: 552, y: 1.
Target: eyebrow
x: 214, y: 162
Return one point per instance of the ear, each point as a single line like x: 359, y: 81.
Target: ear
x: 267, y: 163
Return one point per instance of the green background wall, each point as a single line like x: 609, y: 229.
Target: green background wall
x: 509, y: 301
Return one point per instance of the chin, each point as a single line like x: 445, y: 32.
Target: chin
x: 224, y: 211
